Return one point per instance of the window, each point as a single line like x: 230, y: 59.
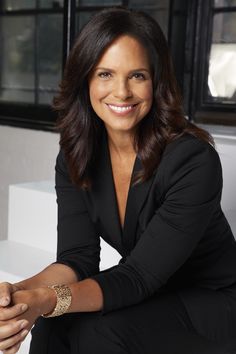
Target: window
x: 158, y: 9
x: 221, y: 83
x: 35, y: 39
x: 31, y: 59
x: 213, y: 97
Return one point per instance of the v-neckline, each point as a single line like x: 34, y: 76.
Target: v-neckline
x: 122, y: 227
x: 103, y: 195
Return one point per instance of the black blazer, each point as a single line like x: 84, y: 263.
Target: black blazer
x: 175, y: 234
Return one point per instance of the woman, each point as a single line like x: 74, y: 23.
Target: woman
x: 134, y: 171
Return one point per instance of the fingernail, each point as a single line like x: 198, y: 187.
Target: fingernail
x: 23, y: 324
x: 24, y: 307
x: 4, y: 301
x: 24, y: 333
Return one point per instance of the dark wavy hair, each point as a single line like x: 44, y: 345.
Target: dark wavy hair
x: 79, y: 126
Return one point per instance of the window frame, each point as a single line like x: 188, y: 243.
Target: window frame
x: 199, y: 109
x: 29, y: 115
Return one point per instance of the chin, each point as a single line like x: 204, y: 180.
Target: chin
x: 120, y: 129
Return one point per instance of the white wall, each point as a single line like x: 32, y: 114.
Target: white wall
x: 226, y: 148
x: 227, y: 152
x: 28, y: 155
x: 25, y: 155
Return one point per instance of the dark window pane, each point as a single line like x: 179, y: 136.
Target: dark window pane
x: 82, y: 18
x: 222, y: 63
x: 18, y: 4
x: 55, y: 4
x: 31, y: 4
x: 161, y: 16
x: 159, y: 10
x: 224, y: 28
x: 142, y: 3
x: 224, y: 3
x: 30, y: 69
x: 49, y: 55
x: 98, y: 3
x: 17, y: 59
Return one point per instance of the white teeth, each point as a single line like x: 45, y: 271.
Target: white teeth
x: 120, y: 109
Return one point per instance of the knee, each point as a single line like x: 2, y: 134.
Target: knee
x: 45, y: 326
x: 93, y: 333
x: 50, y: 335
x: 115, y: 326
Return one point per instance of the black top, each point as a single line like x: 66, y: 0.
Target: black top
x: 175, y: 234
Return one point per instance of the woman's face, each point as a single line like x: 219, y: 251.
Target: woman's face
x: 120, y: 86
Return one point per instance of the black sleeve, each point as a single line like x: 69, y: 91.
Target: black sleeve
x: 192, y: 177
x: 78, y: 242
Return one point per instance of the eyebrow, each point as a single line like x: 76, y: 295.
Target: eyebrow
x: 132, y: 71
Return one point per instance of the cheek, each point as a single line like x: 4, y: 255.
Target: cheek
x: 148, y: 98
x: 149, y: 92
x: 97, y: 91
x: 145, y: 92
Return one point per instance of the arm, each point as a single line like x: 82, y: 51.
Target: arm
x: 54, y: 273
x: 78, y: 250
x: 191, y: 182
x: 86, y: 296
x: 78, y: 256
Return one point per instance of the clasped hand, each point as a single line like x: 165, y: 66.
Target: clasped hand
x: 18, y: 313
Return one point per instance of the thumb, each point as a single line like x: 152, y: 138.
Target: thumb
x: 5, y: 293
x: 5, y: 300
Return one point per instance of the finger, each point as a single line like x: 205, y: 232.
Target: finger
x: 13, y: 349
x: 12, y: 312
x: 5, y: 294
x: 10, y: 329
x: 10, y: 342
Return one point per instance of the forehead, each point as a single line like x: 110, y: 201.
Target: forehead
x: 125, y: 51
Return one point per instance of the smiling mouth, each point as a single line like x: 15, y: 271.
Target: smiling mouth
x: 122, y: 109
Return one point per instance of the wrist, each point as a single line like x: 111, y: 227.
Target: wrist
x: 48, y: 300
x: 20, y: 286
x: 40, y: 300
x: 63, y: 300
x: 27, y: 284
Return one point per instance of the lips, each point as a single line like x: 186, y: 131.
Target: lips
x: 122, y: 108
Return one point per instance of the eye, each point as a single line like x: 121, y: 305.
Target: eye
x: 104, y: 75
x: 139, y: 76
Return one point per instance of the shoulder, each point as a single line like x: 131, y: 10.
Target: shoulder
x: 188, y: 146
x: 190, y: 157
x: 61, y: 166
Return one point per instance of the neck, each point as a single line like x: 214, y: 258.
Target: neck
x: 122, y: 144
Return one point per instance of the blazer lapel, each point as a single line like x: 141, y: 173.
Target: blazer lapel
x: 104, y: 195
x: 136, y: 198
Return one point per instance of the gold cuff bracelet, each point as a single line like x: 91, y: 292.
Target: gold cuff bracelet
x: 64, y: 298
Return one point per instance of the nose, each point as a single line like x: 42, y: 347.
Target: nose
x: 122, y: 89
